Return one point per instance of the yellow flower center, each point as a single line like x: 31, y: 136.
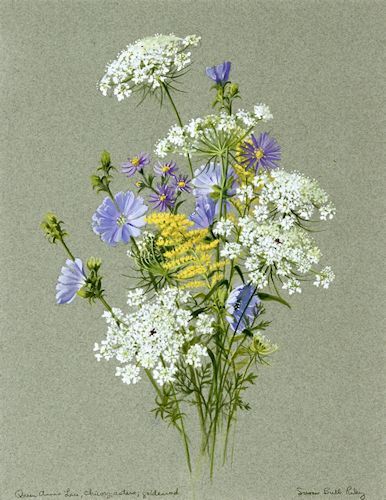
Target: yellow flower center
x: 162, y: 197
x: 181, y: 184
x: 259, y: 153
x: 138, y: 184
x: 135, y: 161
x: 165, y: 168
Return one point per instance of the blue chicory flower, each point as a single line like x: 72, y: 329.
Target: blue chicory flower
x: 118, y: 221
x: 220, y: 73
x: 262, y: 152
x: 71, y: 280
x: 163, y: 198
x: 243, y: 305
x: 135, y: 163
x: 208, y: 180
x: 204, y: 212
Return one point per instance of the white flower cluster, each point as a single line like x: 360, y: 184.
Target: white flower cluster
x: 201, y: 132
x: 291, y: 194
x: 223, y: 227
x: 195, y: 354
x: 324, y: 278
x: 150, y: 62
x: 290, y: 252
x: 245, y: 193
x: 152, y: 335
x: 231, y: 250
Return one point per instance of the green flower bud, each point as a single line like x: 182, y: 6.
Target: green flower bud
x: 96, y: 182
x: 84, y: 293
x: 105, y: 159
x: 52, y: 228
x: 233, y: 89
x: 94, y: 264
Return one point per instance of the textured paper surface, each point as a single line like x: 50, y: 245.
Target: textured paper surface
x: 318, y: 412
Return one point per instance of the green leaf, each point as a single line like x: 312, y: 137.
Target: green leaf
x: 216, y: 286
x: 268, y: 297
x: 199, y: 311
x: 240, y: 273
x: 213, y: 359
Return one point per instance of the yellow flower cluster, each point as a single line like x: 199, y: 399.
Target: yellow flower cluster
x: 187, y: 252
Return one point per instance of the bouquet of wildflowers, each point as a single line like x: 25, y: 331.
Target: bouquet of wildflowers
x: 196, y: 319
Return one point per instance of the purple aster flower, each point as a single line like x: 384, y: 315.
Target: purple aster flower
x: 243, y: 305
x: 262, y: 152
x: 204, y: 212
x: 70, y: 281
x: 168, y: 168
x: 163, y: 198
x: 182, y: 183
x: 135, y: 163
x: 208, y: 181
x: 118, y: 221
x: 219, y: 73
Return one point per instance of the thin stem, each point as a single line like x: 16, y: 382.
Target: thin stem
x: 183, y: 433
x: 165, y: 87
x: 67, y: 249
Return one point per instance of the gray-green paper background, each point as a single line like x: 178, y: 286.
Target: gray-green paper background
x: 318, y: 411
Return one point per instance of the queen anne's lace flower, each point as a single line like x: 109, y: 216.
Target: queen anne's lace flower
x: 267, y: 245
x: 231, y: 250
x: 149, y: 62
x: 203, y: 135
x: 223, y: 227
x: 324, y: 278
x: 194, y: 355
x: 152, y: 335
x: 291, y: 193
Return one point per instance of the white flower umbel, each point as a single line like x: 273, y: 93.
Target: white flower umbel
x: 195, y: 354
x: 147, y: 63
x: 204, y: 325
x: 223, y: 227
x: 152, y: 335
x: 207, y: 135
x: 291, y: 194
x: 262, y: 112
x: 245, y: 193
x: 231, y: 250
x: 324, y: 278
x: 287, y: 252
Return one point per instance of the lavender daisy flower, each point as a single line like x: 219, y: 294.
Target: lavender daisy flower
x: 220, y: 73
x: 163, y: 198
x: 208, y: 181
x: 204, y: 212
x: 243, y: 306
x: 118, y: 221
x: 262, y: 152
x: 182, y: 183
x: 162, y: 168
x: 70, y: 281
x: 135, y: 163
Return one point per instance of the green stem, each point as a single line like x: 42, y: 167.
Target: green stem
x: 183, y: 433
x: 67, y: 249
x: 165, y: 87
x: 199, y: 406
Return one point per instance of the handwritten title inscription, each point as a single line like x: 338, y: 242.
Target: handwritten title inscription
x: 91, y: 493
